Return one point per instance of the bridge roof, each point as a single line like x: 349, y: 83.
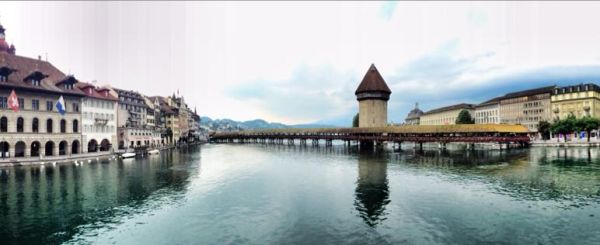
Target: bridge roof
x: 404, y: 129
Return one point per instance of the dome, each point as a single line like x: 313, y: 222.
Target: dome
x: 415, y: 113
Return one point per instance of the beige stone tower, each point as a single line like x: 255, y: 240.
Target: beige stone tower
x: 372, y: 95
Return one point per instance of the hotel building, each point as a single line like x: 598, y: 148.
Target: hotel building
x: 578, y: 100
x: 445, y: 115
x: 527, y: 107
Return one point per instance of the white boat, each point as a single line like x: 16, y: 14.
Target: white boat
x: 128, y: 155
x: 155, y: 151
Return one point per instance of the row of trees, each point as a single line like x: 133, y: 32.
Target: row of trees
x: 569, y: 125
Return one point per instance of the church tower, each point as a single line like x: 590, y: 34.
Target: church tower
x: 372, y: 95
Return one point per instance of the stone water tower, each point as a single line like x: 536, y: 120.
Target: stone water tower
x: 372, y: 95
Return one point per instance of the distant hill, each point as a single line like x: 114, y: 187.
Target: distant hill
x: 231, y: 125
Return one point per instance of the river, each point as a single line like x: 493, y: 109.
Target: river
x: 279, y: 194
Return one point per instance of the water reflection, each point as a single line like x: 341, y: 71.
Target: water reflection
x: 49, y: 204
x: 372, y: 191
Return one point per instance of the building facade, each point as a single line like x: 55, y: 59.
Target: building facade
x: 37, y: 129
x: 527, y: 107
x: 578, y: 100
x: 372, y: 95
x: 488, y: 112
x: 99, y: 118
x: 445, y: 115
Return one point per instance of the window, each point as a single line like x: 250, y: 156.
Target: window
x: 35, y: 105
x: 3, y: 124
x: 49, y: 126
x: 3, y: 102
x: 3, y: 78
x: 63, y: 126
x: 21, y: 103
x: 49, y: 105
x: 35, y: 125
x: 20, y: 125
x: 75, y: 107
x: 75, y: 126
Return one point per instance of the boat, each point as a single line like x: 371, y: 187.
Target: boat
x: 128, y: 155
x: 152, y: 152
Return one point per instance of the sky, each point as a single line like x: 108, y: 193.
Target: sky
x: 300, y: 62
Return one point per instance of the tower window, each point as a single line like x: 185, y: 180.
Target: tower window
x: 3, y: 78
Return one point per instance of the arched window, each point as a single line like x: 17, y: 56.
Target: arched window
x: 63, y: 126
x: 75, y: 126
x: 3, y: 124
x: 49, y: 149
x: 20, y: 123
x: 49, y: 126
x: 35, y: 125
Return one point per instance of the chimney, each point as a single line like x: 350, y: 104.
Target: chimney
x: 39, y: 57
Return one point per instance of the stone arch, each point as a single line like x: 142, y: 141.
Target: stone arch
x: 49, y: 125
x: 92, y: 145
x: 20, y: 125
x: 35, y: 125
x: 62, y: 147
x: 35, y: 149
x: 20, y: 149
x: 104, y: 145
x: 49, y: 148
x: 4, y: 149
x: 3, y: 124
x: 63, y: 126
x: 75, y: 147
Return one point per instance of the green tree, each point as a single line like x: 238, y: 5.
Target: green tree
x: 355, y: 121
x: 587, y: 124
x: 464, y: 117
x: 544, y: 129
x: 565, y: 126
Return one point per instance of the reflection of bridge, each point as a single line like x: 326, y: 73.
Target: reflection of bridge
x: 467, y: 133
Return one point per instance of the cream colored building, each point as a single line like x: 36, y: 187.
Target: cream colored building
x: 372, y: 95
x: 487, y: 112
x: 445, y: 115
x: 579, y: 100
x: 527, y: 107
x: 99, y: 118
x: 38, y: 129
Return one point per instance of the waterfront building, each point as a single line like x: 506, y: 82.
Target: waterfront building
x: 445, y: 115
x: 131, y: 137
x: 488, y: 112
x: 372, y: 95
x: 99, y: 118
x: 37, y: 129
x: 578, y: 100
x: 170, y: 120
x: 132, y: 109
x: 527, y: 107
x: 414, y: 116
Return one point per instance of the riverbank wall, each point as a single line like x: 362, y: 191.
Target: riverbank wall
x: 23, y: 161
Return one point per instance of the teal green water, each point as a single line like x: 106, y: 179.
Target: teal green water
x: 257, y: 194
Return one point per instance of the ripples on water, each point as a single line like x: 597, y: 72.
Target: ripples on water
x: 230, y: 194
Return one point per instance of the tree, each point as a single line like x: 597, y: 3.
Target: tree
x: 565, y: 126
x: 544, y: 129
x: 464, y: 117
x: 587, y: 124
x: 355, y: 121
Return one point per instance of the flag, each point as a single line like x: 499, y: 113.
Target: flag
x: 60, y: 106
x: 13, y: 101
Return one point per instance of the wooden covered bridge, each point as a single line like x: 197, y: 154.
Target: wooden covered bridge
x: 419, y: 134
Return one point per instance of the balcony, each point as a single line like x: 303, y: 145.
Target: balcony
x: 101, y: 121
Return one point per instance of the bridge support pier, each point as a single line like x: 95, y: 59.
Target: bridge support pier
x: 328, y: 142
x: 366, y: 144
x: 315, y: 142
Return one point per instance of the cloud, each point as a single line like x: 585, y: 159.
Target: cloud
x: 310, y: 92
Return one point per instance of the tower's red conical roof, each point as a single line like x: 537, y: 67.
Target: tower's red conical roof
x: 373, y: 82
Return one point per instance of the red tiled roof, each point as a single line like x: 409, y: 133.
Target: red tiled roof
x: 24, y: 66
x: 373, y: 82
x: 95, y: 91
